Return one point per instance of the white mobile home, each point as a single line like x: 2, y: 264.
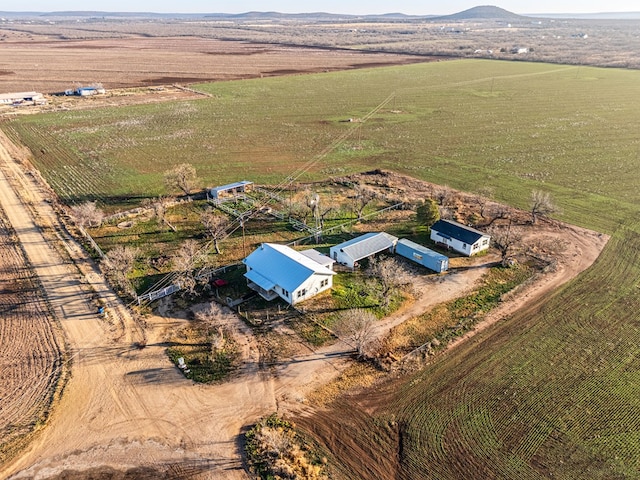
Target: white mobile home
x: 367, y: 245
x: 280, y: 271
x: 459, y: 237
x: 424, y: 256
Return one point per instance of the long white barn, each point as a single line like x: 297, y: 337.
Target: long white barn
x: 350, y: 252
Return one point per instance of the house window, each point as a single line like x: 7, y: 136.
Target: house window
x: 302, y: 293
x: 485, y: 241
x: 285, y: 293
x: 464, y: 245
x: 324, y: 283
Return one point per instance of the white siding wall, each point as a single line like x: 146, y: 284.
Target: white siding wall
x: 458, y: 246
x: 341, y: 257
x: 313, y: 286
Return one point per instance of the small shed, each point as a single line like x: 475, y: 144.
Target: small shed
x: 367, y: 245
x: 459, y: 237
x: 424, y: 256
x: 230, y: 191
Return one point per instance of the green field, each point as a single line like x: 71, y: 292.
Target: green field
x: 467, y: 124
x: 555, y: 391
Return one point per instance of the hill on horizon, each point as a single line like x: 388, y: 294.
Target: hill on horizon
x: 483, y: 12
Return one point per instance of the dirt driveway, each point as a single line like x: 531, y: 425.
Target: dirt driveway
x: 126, y: 408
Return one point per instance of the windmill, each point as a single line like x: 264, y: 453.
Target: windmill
x: 313, y: 203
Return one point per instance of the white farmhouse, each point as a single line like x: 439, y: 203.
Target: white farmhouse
x: 280, y: 271
x: 367, y: 245
x: 459, y: 237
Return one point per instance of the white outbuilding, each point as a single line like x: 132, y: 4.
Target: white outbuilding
x: 279, y: 271
x: 364, y: 246
x: 459, y: 237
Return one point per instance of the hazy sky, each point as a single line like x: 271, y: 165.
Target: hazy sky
x: 411, y: 7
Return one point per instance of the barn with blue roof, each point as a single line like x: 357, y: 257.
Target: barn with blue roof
x: 279, y: 271
x: 459, y: 237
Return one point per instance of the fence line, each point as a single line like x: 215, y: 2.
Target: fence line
x: 173, y: 288
x: 91, y: 241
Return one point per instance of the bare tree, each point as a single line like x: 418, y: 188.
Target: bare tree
x: 364, y: 195
x: 358, y: 327
x: 118, y: 264
x: 444, y: 195
x: 159, y: 206
x: 541, y: 205
x: 391, y: 275
x: 482, y: 200
x: 507, y: 239
x: 185, y: 260
x: 324, y: 214
x: 498, y: 211
x: 87, y: 214
x: 182, y: 177
x: 215, y: 317
x: 215, y: 226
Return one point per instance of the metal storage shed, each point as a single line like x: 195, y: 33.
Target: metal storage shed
x: 351, y: 251
x: 230, y: 190
x: 422, y: 255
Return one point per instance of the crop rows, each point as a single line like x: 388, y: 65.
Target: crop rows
x: 31, y: 354
x: 512, y: 126
x: 563, y: 392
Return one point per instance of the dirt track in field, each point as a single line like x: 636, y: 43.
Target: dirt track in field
x: 129, y: 409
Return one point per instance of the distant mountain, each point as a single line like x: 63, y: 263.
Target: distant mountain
x: 484, y: 12
x: 239, y: 17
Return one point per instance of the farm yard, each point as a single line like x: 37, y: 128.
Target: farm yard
x: 550, y: 390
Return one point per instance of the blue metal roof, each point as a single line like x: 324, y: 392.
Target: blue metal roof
x: 259, y: 280
x: 231, y: 186
x: 458, y: 231
x: 283, y: 266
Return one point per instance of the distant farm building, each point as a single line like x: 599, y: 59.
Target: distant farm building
x: 459, y: 237
x: 22, y: 98
x: 422, y: 255
x: 352, y: 251
x: 280, y: 271
x: 85, y: 91
x: 230, y: 191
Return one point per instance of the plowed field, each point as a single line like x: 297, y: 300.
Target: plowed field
x: 30, y: 353
x: 51, y: 65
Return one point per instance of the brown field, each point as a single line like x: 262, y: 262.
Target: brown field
x: 50, y: 65
x: 31, y: 355
x: 130, y: 410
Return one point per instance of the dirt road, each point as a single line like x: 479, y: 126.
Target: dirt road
x: 123, y: 407
x: 126, y: 407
